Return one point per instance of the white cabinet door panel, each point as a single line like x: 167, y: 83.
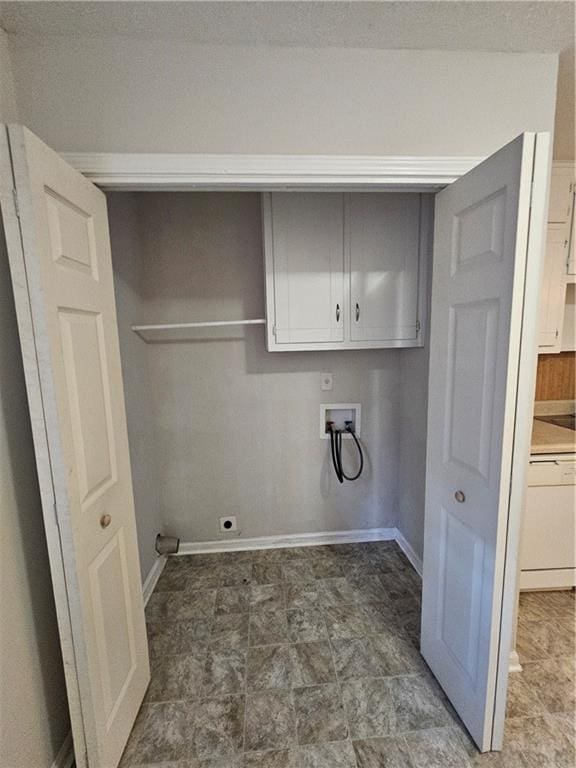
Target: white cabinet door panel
x: 384, y: 256
x: 307, y: 243
x: 553, y: 289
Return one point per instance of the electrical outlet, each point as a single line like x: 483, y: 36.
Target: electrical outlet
x: 326, y: 382
x: 228, y: 524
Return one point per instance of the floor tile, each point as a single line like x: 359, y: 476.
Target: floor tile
x: 230, y: 632
x: 553, y: 682
x: 523, y: 699
x: 269, y: 667
x: 335, y: 591
x: 267, y: 597
x: 270, y: 721
x: 177, y: 677
x: 224, y: 672
x: 319, y: 714
x: 337, y: 754
x: 418, y: 703
x: 162, y: 606
x: 219, y: 726
x: 271, y: 759
x: 354, y: 658
x: 196, y: 580
x: 302, y: 595
x: 171, y: 581
x: 169, y: 638
x: 368, y: 589
x: 377, y: 617
x: 394, y: 654
x: 306, y: 625
x: 541, y: 743
x: 233, y: 600
x: 311, y: 664
x: 325, y: 568
x: 167, y: 733
x: 396, y: 584
x: 130, y: 754
x: 297, y: 570
x: 266, y: 573
x: 388, y: 752
x: 236, y: 574
x: 369, y: 707
x: 344, y: 621
x: 269, y: 628
x: 198, y: 604
x: 438, y: 748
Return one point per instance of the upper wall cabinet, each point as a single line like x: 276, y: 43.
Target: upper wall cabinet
x: 558, y: 268
x: 343, y: 271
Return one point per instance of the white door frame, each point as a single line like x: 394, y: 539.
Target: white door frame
x: 186, y: 172
x: 158, y: 171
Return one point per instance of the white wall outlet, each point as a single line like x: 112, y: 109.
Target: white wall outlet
x: 326, y: 382
x: 228, y: 524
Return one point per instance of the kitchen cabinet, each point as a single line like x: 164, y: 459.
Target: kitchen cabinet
x: 558, y: 269
x: 344, y: 271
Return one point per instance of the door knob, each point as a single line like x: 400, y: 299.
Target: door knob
x: 105, y: 521
x: 460, y: 496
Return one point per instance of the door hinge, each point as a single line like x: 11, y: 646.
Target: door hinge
x: 274, y: 330
x: 16, y: 203
x: 417, y: 326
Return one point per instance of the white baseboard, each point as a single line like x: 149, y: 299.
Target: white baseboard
x: 65, y: 756
x: 410, y: 553
x: 515, y: 665
x: 288, y: 540
x: 152, y: 578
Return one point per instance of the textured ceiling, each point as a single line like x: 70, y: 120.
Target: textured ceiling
x: 521, y: 25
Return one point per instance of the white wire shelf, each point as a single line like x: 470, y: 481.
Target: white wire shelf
x: 189, y: 331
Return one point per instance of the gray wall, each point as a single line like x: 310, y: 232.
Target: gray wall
x: 107, y: 94
x: 128, y: 283
x: 33, y: 707
x: 236, y: 427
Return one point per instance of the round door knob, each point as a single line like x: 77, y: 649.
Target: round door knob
x: 460, y: 496
x: 105, y: 521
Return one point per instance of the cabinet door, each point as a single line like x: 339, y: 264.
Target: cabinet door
x: 305, y: 241
x: 560, y: 206
x: 553, y: 289
x: 384, y: 255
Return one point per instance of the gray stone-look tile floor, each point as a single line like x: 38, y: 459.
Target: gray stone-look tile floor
x: 308, y: 658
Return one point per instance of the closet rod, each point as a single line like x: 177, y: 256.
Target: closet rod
x: 205, y: 324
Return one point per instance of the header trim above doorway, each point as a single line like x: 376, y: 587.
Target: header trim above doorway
x: 264, y: 172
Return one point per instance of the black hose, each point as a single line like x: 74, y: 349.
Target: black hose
x: 337, y: 469
x: 336, y: 448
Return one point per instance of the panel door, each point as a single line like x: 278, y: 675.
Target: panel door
x: 305, y: 241
x: 384, y: 258
x: 62, y: 275
x: 553, y: 290
x: 487, y: 253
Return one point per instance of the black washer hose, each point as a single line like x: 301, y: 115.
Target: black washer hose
x: 336, y: 448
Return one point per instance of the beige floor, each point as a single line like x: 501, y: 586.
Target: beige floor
x: 308, y: 658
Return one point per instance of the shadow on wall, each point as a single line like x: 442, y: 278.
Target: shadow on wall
x: 35, y: 710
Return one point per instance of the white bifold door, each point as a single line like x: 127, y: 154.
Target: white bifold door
x: 56, y: 230
x: 488, y: 242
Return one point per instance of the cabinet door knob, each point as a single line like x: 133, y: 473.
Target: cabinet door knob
x: 460, y: 496
x: 357, y: 311
x: 105, y: 521
x: 337, y: 313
